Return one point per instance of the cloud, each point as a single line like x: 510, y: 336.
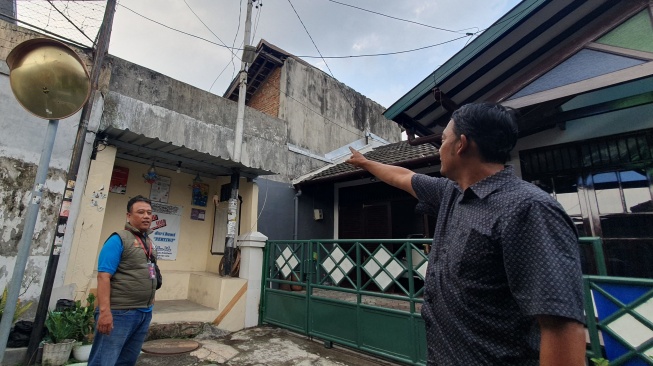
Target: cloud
x: 333, y: 29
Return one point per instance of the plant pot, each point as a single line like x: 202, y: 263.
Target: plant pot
x: 82, y: 351
x: 57, y: 354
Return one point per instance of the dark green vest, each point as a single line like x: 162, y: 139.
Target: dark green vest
x: 131, y: 286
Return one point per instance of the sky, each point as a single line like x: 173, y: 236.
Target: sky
x: 302, y: 28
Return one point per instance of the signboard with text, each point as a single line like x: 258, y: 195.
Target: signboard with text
x: 166, y: 222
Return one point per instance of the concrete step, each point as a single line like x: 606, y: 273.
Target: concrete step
x: 175, y: 311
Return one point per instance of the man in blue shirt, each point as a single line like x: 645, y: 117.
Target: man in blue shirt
x: 125, y: 291
x: 503, y: 284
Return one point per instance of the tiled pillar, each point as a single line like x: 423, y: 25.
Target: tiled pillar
x: 251, y: 269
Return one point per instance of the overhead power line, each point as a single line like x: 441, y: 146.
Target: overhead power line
x: 427, y: 87
x: 305, y: 56
x: 322, y: 57
x: 207, y: 27
x: 391, y: 17
x: 392, y: 53
x: 179, y: 31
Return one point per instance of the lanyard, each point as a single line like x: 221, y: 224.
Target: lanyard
x: 143, y: 246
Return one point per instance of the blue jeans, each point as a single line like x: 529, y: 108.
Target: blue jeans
x: 123, y: 345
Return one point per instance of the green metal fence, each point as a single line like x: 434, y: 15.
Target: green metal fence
x: 364, y: 294
x: 620, y: 312
x: 367, y: 294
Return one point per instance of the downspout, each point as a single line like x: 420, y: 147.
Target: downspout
x: 294, y: 235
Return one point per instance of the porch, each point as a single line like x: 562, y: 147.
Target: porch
x: 201, y: 297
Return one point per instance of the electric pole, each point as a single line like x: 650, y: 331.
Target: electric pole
x: 232, y: 211
x: 101, y: 49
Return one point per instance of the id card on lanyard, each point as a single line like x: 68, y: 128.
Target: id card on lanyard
x: 150, y: 265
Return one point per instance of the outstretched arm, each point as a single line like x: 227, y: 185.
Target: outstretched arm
x: 393, y: 175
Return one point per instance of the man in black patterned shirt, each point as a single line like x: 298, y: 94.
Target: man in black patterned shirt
x: 503, y: 286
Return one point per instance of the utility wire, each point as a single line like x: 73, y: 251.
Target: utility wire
x: 390, y: 53
x: 177, y: 30
x: 325, y: 57
x: 391, y: 17
x: 71, y: 22
x: 216, y: 36
x: 240, y: 14
x: 322, y: 57
x: 71, y: 41
x: 436, y: 82
x: 256, y: 22
x: 207, y: 27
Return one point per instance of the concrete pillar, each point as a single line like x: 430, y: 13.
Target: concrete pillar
x: 87, y: 237
x: 251, y: 269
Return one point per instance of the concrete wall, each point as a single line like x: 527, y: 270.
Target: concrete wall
x: 316, y: 197
x: 96, y: 223
x: 276, y: 209
x: 316, y: 105
x: 155, y: 105
x: 21, y: 142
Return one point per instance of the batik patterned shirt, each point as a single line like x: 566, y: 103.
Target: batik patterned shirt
x: 503, y: 252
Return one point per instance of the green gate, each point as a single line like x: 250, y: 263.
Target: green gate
x: 367, y: 295
x: 364, y: 294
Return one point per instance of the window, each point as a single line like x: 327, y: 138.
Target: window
x: 605, y: 186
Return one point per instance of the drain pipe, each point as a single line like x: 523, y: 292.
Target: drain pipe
x: 299, y: 193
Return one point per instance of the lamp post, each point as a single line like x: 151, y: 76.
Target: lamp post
x: 50, y: 81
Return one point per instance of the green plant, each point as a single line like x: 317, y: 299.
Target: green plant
x: 600, y: 361
x: 20, y: 308
x: 59, y: 326
x: 82, y: 317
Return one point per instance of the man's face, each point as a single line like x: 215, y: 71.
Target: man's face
x: 140, y: 216
x: 448, y: 150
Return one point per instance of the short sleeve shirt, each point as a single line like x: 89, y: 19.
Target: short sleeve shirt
x: 110, y: 254
x: 503, y: 252
x: 109, y: 259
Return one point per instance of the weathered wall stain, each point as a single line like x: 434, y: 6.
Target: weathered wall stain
x: 16, y: 181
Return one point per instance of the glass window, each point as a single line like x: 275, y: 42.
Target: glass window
x: 567, y: 194
x: 636, y: 191
x: 608, y: 196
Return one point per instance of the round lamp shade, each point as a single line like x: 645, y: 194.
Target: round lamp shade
x: 48, y: 78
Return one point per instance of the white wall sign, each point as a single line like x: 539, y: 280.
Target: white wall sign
x: 166, y: 222
x: 160, y: 190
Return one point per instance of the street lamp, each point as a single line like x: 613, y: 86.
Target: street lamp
x: 50, y: 81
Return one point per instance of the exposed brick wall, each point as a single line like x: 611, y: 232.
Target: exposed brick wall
x: 266, y: 98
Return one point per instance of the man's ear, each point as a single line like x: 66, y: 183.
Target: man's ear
x: 463, y: 144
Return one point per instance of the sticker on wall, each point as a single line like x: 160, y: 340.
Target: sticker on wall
x: 166, y: 222
x: 200, y: 194
x: 65, y: 209
x: 197, y: 214
x: 160, y: 190
x: 119, y: 180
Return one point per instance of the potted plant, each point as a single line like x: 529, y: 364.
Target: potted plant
x: 83, y: 319
x: 60, y: 339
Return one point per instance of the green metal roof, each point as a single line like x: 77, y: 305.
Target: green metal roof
x: 531, y: 39
x: 489, y: 36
